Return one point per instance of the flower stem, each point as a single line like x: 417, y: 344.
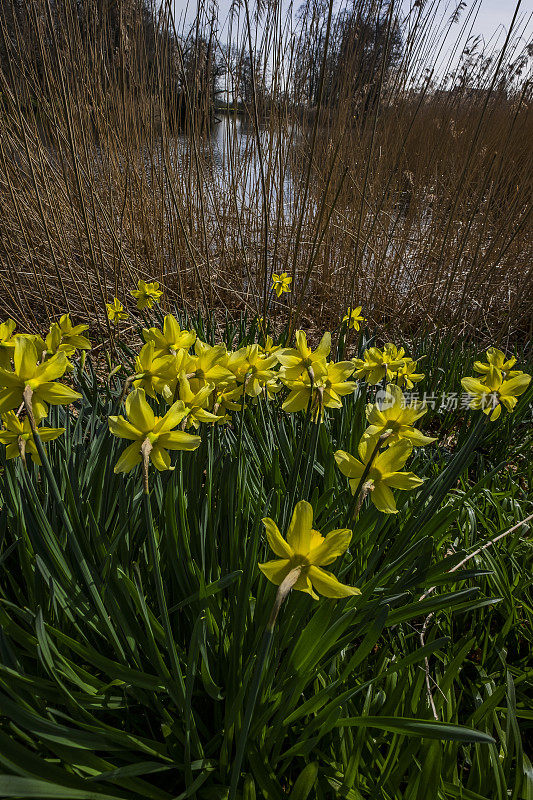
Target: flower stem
x: 266, y: 643
x: 360, y: 493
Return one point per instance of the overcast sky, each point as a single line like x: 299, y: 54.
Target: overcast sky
x: 491, y: 22
x: 494, y: 14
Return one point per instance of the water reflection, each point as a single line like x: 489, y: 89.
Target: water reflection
x: 229, y: 153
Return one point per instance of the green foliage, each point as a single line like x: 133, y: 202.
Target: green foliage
x: 131, y: 632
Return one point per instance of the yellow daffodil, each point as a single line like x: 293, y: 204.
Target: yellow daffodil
x: 406, y: 374
x: 335, y: 384
x: 299, y: 395
x: 384, y: 473
x: 142, y: 424
x: 54, y: 343
x: 208, y: 365
x: 227, y: 398
x: 196, y: 402
x: 354, y: 318
x: 295, y: 361
x: 377, y: 364
x: 18, y: 437
x: 253, y: 368
x: 281, y: 283
x: 307, y: 550
x: 6, y: 342
x: 153, y: 373
x: 171, y: 339
x: 71, y: 334
x: 499, y: 361
x: 328, y: 389
x: 269, y: 347
x: 392, y: 415
x: 490, y: 395
x: 146, y: 294
x: 38, y: 378
x: 272, y: 387
x: 115, y: 311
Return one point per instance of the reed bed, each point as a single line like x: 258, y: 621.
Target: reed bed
x: 408, y: 193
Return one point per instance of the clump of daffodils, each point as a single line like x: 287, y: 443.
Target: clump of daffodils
x: 384, y: 449
x: 390, y: 364
x: 205, y: 384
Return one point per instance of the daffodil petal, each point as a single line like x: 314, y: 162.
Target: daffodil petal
x: 9, y: 380
x: 139, y: 412
x: 276, y: 571
x: 48, y: 434
x: 52, y: 369
x: 276, y: 541
x: 296, y: 401
x: 515, y: 386
x: 12, y: 451
x: 383, y: 499
x: 394, y: 457
x: 56, y: 394
x: 303, y: 584
x: 129, y: 458
x: 402, y: 480
x: 335, y: 543
x: 121, y: 427
x: 473, y: 386
x: 300, y: 528
x: 327, y: 584
x: 25, y: 357
x: 179, y: 440
x: 10, y: 399
x: 348, y: 465
x: 160, y: 458
x: 416, y: 437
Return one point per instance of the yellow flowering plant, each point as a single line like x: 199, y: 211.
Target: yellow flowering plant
x: 378, y: 364
x: 305, y: 551
x: 251, y: 367
x: 71, y: 335
x: 17, y: 436
x: 392, y: 414
x: 406, y: 374
x: 354, y: 318
x: 152, y: 373
x: 171, y: 339
x: 116, y: 311
x: 7, y: 342
x: 146, y: 430
x: 328, y: 390
x: 196, y: 402
x: 146, y: 294
x: 382, y: 474
x: 32, y: 382
x: 496, y: 360
x: 493, y: 393
x: 281, y: 283
x: 208, y: 365
x: 297, y: 360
